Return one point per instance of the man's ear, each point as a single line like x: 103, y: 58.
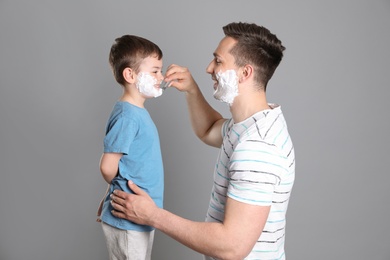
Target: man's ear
x: 246, y: 73
x: 129, y: 75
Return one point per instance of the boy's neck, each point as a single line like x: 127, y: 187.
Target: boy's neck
x: 133, y: 97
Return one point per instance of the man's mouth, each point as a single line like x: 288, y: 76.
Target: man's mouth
x: 215, y: 82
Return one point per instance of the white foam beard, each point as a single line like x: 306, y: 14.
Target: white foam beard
x: 227, y: 88
x: 146, y: 85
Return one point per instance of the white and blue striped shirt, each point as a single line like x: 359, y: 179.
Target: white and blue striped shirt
x: 256, y: 165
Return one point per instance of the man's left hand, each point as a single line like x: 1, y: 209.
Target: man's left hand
x: 138, y: 207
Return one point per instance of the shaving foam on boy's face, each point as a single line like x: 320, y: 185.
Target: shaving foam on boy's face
x: 146, y: 84
x: 227, y: 88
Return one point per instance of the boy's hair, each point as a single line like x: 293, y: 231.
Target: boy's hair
x: 257, y: 46
x: 128, y: 51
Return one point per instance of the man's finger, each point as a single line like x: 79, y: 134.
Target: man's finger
x: 120, y: 194
x: 118, y: 214
x: 137, y: 190
x: 115, y: 199
x: 117, y: 206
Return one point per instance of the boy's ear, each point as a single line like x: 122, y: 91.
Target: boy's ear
x: 129, y: 75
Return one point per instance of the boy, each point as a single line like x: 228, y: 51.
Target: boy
x: 131, y: 145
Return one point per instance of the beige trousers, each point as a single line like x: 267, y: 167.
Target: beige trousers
x: 128, y: 244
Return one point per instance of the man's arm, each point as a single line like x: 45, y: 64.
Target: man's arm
x: 205, y: 120
x: 109, y: 165
x: 232, y: 239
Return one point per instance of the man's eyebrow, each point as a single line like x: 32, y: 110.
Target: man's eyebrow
x: 216, y: 55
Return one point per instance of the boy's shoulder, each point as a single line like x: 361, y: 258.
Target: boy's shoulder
x: 123, y: 108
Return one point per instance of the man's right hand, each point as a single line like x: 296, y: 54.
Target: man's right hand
x: 180, y: 78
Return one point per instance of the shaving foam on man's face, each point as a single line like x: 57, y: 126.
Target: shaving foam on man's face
x: 227, y: 88
x: 146, y: 84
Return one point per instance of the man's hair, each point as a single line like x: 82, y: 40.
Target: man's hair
x: 257, y: 46
x: 128, y: 51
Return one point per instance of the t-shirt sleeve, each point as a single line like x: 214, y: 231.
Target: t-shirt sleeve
x: 253, y: 174
x: 225, y: 127
x: 119, y: 136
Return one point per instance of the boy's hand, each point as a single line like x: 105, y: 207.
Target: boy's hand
x: 99, y: 212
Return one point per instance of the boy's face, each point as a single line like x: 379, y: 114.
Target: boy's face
x: 150, y: 76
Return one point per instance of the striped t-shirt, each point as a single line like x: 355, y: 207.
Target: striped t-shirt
x: 256, y: 165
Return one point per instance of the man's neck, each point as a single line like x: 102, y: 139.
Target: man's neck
x: 246, y: 105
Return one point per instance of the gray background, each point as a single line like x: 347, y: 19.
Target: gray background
x: 57, y: 90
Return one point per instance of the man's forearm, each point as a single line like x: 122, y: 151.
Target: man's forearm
x: 202, y: 115
x: 208, y: 238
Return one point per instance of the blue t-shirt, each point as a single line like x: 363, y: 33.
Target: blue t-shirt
x: 131, y: 131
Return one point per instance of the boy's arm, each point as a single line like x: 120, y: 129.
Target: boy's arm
x: 99, y: 211
x: 206, y: 121
x: 109, y: 165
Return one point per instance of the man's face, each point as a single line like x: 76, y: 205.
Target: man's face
x: 150, y: 77
x: 224, y: 72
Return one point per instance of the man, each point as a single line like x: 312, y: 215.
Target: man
x: 255, y: 169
